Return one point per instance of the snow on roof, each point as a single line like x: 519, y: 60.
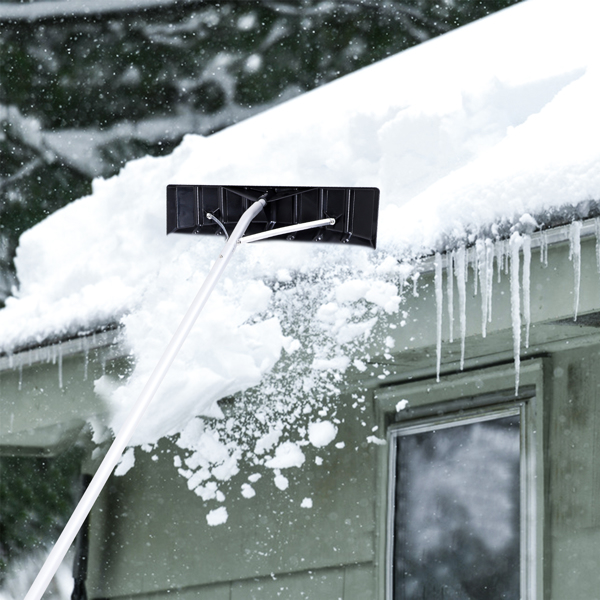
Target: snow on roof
x: 463, y: 134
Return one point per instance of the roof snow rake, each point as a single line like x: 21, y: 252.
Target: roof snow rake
x: 316, y: 214
x: 319, y: 214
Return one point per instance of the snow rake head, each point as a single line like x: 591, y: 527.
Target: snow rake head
x: 333, y: 214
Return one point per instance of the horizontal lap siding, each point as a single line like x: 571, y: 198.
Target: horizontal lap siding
x: 150, y: 534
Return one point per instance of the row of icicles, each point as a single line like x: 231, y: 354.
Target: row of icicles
x: 54, y: 354
x: 507, y: 256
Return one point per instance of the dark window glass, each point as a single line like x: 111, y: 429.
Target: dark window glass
x: 457, y: 512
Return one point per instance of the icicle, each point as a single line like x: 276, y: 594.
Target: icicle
x: 489, y: 281
x: 461, y: 284
x: 480, y: 248
x: 544, y: 249
x: 60, y: 365
x: 500, y: 258
x: 439, y: 302
x: 516, y: 241
x: 527, y: 286
x: 575, y: 256
x: 20, y: 376
x: 475, y: 262
x: 450, y: 288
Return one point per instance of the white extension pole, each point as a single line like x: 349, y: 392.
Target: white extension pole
x: 114, y: 453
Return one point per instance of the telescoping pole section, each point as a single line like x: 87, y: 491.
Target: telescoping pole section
x: 115, y: 452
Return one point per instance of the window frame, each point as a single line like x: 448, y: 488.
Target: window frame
x: 476, y: 395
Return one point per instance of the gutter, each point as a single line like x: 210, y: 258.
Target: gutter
x: 540, y: 239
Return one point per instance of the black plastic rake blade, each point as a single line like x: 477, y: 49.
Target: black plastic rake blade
x: 354, y: 209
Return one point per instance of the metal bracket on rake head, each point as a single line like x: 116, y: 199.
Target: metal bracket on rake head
x: 347, y: 215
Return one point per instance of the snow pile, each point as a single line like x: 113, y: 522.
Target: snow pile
x: 467, y: 136
x: 551, y: 160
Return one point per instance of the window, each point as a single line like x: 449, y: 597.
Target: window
x: 462, y: 493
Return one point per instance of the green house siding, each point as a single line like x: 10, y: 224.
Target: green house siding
x: 151, y: 535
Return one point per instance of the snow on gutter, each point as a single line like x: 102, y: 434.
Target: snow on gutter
x: 558, y: 231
